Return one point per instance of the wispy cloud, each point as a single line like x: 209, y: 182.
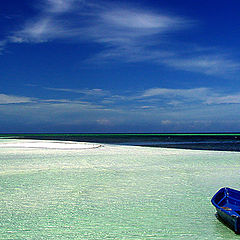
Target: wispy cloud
x: 67, y: 103
x: 225, y: 99
x: 121, y: 27
x: 3, y: 43
x: 190, y: 93
x: 150, y: 99
x: 90, y: 92
x: 54, y: 22
x: 124, y: 33
x: 139, y: 20
x: 115, y: 26
x: 193, y: 106
x: 11, y: 99
x: 189, y: 97
x: 60, y: 6
x: 134, y: 35
x: 61, y: 101
x: 39, y: 31
x: 208, y: 64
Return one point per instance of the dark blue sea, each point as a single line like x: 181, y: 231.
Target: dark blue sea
x: 213, y: 141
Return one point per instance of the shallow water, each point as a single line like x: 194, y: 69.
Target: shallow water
x: 113, y: 192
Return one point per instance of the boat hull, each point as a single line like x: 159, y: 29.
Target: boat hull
x: 227, y: 203
x: 230, y: 221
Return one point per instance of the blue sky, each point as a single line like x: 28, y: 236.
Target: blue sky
x: 119, y: 66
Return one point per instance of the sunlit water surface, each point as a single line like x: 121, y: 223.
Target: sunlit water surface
x: 112, y: 192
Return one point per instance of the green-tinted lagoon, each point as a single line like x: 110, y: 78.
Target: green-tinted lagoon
x: 113, y: 192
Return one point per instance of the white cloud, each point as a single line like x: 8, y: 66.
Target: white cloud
x: 61, y: 101
x: 2, y: 43
x: 91, y: 92
x: 228, y: 99
x: 104, y: 121
x: 37, y: 31
x: 2, y: 46
x: 145, y: 107
x: 115, y: 26
x: 60, y: 6
x: 208, y: 64
x: 133, y: 35
x: 11, y: 99
x: 125, y: 33
x: 51, y: 23
x: 166, y: 92
x: 140, y: 20
x: 166, y: 122
x: 202, y: 96
x: 149, y: 99
x: 169, y: 106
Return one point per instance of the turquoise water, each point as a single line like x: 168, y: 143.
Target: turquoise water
x: 113, y: 192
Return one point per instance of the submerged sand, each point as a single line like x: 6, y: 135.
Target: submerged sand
x: 67, y: 190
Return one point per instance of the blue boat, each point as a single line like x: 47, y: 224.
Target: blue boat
x: 227, y: 203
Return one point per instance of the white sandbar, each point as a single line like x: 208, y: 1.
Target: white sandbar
x: 47, y: 144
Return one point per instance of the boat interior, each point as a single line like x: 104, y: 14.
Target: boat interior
x: 229, y: 200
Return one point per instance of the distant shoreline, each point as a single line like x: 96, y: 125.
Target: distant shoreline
x: 126, y: 134
x: 197, y: 142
